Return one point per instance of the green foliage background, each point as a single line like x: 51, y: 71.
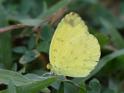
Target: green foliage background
x: 24, y: 50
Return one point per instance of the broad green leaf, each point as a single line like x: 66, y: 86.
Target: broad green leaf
x: 11, y: 87
x: 82, y: 88
x: 45, y: 90
x: 6, y: 76
x: 29, y: 56
x: 81, y: 84
x: 5, y: 42
x: 5, y: 50
x: 57, y: 83
x: 3, y: 91
x: 45, y: 7
x: 36, y: 86
x: 34, y: 77
x: 105, y: 60
x: 61, y: 88
x: 70, y: 88
x: 25, y: 84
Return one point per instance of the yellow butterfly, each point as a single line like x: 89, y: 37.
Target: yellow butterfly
x: 73, y: 51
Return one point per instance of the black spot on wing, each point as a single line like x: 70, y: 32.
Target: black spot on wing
x: 60, y: 40
x: 75, y: 58
x: 70, y: 22
x: 55, y: 50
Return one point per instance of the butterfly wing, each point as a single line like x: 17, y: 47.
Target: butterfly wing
x: 73, y: 51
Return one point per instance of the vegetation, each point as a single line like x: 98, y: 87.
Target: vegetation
x: 26, y: 29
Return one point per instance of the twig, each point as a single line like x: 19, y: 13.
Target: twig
x: 12, y: 27
x: 51, y: 18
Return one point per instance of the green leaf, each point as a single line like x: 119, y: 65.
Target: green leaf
x: 36, y: 86
x: 29, y: 21
x: 3, y: 91
x: 45, y: 90
x: 91, y: 1
x: 108, y: 91
x: 70, y: 88
x: 24, y: 84
x: 34, y: 77
x: 113, y: 84
x: 115, y: 36
x: 27, y: 5
x: 105, y: 60
x: 55, y: 8
x: 29, y: 56
x: 81, y: 84
x: 94, y: 86
x: 122, y: 8
x: 5, y: 41
x: 6, y: 76
x: 46, y: 36
x: 11, y: 87
x: 99, y: 11
x: 32, y: 42
x: 56, y: 84
x: 40, y: 20
x: 20, y: 49
x: 103, y: 39
x: 1, y: 1
x: 61, y: 88
x: 82, y: 88
x: 5, y: 50
x: 45, y: 7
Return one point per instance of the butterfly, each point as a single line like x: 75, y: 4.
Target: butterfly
x: 73, y: 50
